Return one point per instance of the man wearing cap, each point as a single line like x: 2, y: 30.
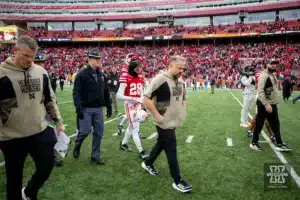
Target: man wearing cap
x: 90, y: 94
x: 267, y: 100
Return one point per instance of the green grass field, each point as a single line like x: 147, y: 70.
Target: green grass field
x: 215, y: 170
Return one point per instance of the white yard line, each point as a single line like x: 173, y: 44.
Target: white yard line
x: 71, y: 136
x: 65, y: 102
x: 152, y: 136
x: 229, y: 142
x: 278, y: 154
x: 116, y: 133
x: 263, y: 141
x: 189, y: 139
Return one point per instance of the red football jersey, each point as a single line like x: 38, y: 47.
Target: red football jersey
x: 134, y: 86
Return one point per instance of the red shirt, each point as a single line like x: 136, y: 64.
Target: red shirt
x: 134, y: 85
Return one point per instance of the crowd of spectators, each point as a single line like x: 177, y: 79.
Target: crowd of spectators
x: 206, y: 60
x: 280, y: 25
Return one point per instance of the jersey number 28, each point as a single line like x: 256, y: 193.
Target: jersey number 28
x: 135, y: 89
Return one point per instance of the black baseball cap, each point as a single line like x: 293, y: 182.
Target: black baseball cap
x: 94, y: 53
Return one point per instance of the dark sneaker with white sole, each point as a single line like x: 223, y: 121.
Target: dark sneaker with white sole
x: 143, y: 155
x: 124, y: 147
x: 119, y: 129
x: 249, y: 133
x: 282, y: 147
x: 150, y: 169
x: 256, y: 147
x: 182, y: 186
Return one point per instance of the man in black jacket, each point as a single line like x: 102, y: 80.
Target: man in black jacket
x: 90, y: 94
x: 113, y: 83
x: 286, y: 89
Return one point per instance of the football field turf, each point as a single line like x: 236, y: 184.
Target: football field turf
x: 215, y: 170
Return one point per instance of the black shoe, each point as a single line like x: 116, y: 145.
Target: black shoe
x: 273, y: 139
x: 150, y: 169
x: 143, y: 155
x: 98, y: 161
x: 124, y: 147
x: 25, y: 197
x: 142, y: 136
x: 58, y: 162
x: 182, y: 186
x: 256, y: 147
x: 283, y: 147
x: 77, y: 147
x: 294, y: 101
x: 119, y: 129
x: 249, y: 133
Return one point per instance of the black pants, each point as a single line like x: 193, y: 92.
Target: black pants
x: 77, y: 122
x: 40, y: 147
x: 166, y: 141
x: 273, y: 120
x: 61, y: 86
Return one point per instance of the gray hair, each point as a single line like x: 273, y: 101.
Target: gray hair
x: 177, y: 58
x: 27, y: 42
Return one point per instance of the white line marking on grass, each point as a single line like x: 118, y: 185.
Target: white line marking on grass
x: 263, y: 141
x: 65, y: 102
x: 229, y: 142
x: 278, y: 154
x: 116, y: 134
x: 189, y: 139
x: 152, y: 136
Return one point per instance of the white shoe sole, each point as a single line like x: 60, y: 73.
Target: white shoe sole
x: 145, y: 168
x: 252, y: 147
x: 24, y: 195
x: 244, y: 125
x: 180, y: 190
x: 282, y: 150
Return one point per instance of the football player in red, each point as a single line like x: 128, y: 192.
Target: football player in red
x: 130, y: 90
x: 124, y: 70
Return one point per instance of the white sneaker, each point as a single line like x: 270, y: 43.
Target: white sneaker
x: 245, y: 125
x: 24, y: 197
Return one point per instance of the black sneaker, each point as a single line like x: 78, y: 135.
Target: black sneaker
x: 273, y: 139
x: 256, y: 147
x: 124, y: 147
x: 142, y: 136
x: 182, y: 186
x: 150, y: 169
x: 143, y: 155
x: 294, y: 101
x: 249, y: 133
x: 25, y: 197
x: 283, y: 147
x: 119, y: 129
